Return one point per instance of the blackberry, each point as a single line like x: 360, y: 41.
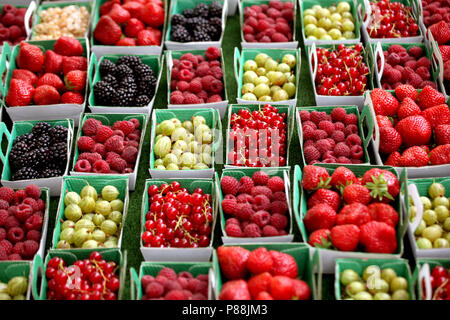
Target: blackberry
x: 188, y: 13
x: 146, y: 86
x: 59, y: 134
x: 178, y: 19
x: 122, y: 71
x: 40, y: 128
x: 104, y: 93
x: 25, y: 173
x: 215, y: 9
x: 192, y: 23
x: 130, y: 61
x: 201, y: 35
x: 213, y: 32
x: 37, y: 157
x: 112, y: 81
x: 128, y: 83
x: 125, y: 98
x: 143, y: 71
x: 58, y: 152
x: 180, y: 34
x: 216, y: 22
x: 18, y: 151
x: 42, y: 142
x: 27, y: 139
x: 107, y: 67
x: 142, y: 101
x: 201, y: 10
x: 49, y: 173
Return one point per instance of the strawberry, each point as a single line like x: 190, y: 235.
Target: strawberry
x: 315, y: 177
x: 259, y: 261
x: 147, y: 38
x: 440, y: 155
x: 68, y: 46
x: 384, y: 103
x: 264, y: 295
x: 153, y: 15
x: 119, y: 14
x: 378, y: 237
x: 106, y: 7
x: 53, y: 62
x: 445, y: 53
x: 393, y: 159
x: 45, y: 95
x: 320, y: 238
x: 440, y: 32
x: 75, y: 80
x: 107, y: 31
x: 437, y: 115
x: 282, y: 288
x: 383, y: 121
x: 25, y: 75
x: 405, y: 91
x: 126, y: 42
x: 51, y: 79
x: 408, y: 108
x: 72, y: 98
x: 259, y: 283
x: 355, y: 213
x: 233, y: 261
x: 19, y: 94
x: 342, y: 177
x: 30, y: 57
x: 442, y: 134
x: 356, y: 193
x: 321, y: 216
x: 134, y: 8
x: 283, y: 265
x: 384, y: 213
x: 301, y: 289
x: 74, y: 63
x: 133, y: 27
x: 390, y: 140
x: 345, y: 237
x: 326, y: 196
x: 235, y: 290
x: 430, y: 97
x: 414, y: 157
x: 383, y: 184
x: 414, y: 130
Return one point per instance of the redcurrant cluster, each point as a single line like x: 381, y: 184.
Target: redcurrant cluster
x: 341, y: 72
x: 440, y: 283
x: 258, y: 137
x: 391, y: 20
x: 88, y: 279
x: 176, y: 218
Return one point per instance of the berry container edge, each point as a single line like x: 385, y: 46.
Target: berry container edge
x: 76, y: 183
x: 232, y: 7
x: 437, y: 59
x: 423, y: 274
x: 10, y: 269
x: 21, y: 127
x: 212, y: 120
x: 329, y: 256
x: 202, y: 254
x: 282, y: 172
x: 70, y: 256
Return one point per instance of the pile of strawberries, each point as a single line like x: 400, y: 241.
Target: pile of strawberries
x: 403, y: 66
x: 108, y: 149
x: 269, y: 22
x: 12, y: 24
x: 260, y: 275
x: 352, y: 213
x: 168, y: 285
x: 21, y: 217
x: 196, y: 80
x: 256, y: 206
x: 331, y: 138
x: 130, y: 23
x: 414, y: 127
x: 58, y: 76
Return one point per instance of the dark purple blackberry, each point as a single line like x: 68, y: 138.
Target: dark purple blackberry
x: 18, y: 151
x: 27, y: 138
x: 41, y: 128
x: 123, y: 71
x: 129, y: 84
x: 130, y: 61
x: 58, y: 152
x: 188, y: 13
x: 49, y: 173
x: 192, y: 23
x: 111, y: 80
x: 201, y: 10
x: 146, y: 86
x: 143, y: 71
x: 216, y: 22
x: 142, y: 101
x: 213, y: 32
x: 178, y: 19
x: 107, y: 67
x: 125, y: 98
x: 201, y: 35
x: 215, y: 9
x: 37, y: 158
x: 180, y: 34
x: 42, y: 142
x: 104, y: 94
x: 59, y: 134
x: 25, y: 173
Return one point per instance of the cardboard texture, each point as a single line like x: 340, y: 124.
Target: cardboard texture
x: 11, y: 269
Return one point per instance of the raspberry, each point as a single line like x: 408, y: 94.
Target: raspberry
x: 323, y: 145
x: 214, y: 98
x: 246, y: 184
x: 279, y: 196
x: 423, y: 62
x: 206, y: 82
x: 393, y: 59
x: 353, y: 139
x: 90, y: 156
x: 85, y: 143
x: 125, y: 126
x: 320, y: 134
x: 275, y: 184
x: 34, y: 222
x: 11, y: 222
x: 317, y: 116
x: 212, y: 53
x: 261, y: 190
x: 327, y: 126
x: 231, y: 221
x: 5, y: 244
x: 309, y: 143
x: 244, y: 198
x: 174, y: 295
x: 117, y: 164
x: 101, y: 166
x: 343, y: 159
x: 14, y: 257
x: 261, y: 202
x: 31, y: 202
x: 311, y: 153
x: 190, y: 57
x: 341, y: 149
x: 404, y: 57
x: 115, y: 144
x: 4, y: 205
x: 338, y: 136
x: 338, y: 114
x: 83, y: 166
x: 356, y: 152
x: 216, y: 86
x: 202, y: 70
x: 15, y: 234
x: 176, y: 98
x: 183, y: 86
x: 90, y: 126
x: 19, y: 196
x: 23, y: 212
x: 415, y: 80
x: 351, y: 128
x: 7, y: 194
x: 244, y: 211
x: 305, y: 115
x: 154, y: 290
x: 279, y: 221
x: 386, y: 86
x: 129, y: 154
x: 3, y: 255
x: 423, y: 73
x: 34, y: 235
x: 18, y: 248
x: 279, y: 207
x: 393, y: 76
x: 309, y: 124
x: 33, y: 191
x: 261, y: 218
x: 191, y: 99
x: 3, y: 217
x: 252, y: 230
x: 100, y: 149
x: 185, y: 75
x: 195, y: 86
x: 216, y: 72
x: 229, y: 206
x: 2, y: 233
x: 169, y: 273
x: 351, y: 118
x: 410, y: 64
x: 233, y: 230
x: 423, y: 84
x: 136, y: 123
x: 229, y: 185
x: 270, y: 231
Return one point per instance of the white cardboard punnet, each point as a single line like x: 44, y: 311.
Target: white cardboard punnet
x: 232, y: 7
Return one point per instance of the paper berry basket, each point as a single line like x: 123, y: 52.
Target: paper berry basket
x: 234, y: 108
x: 418, y: 188
x: 271, y: 45
x: 110, y: 119
x: 325, y: 100
x: 400, y: 266
x: 364, y: 10
x: 282, y: 172
x: 152, y: 269
x: 364, y: 118
x: 101, y: 50
x: 41, y: 112
x: 177, y: 7
x: 31, y: 8
x: 22, y: 127
x: 76, y: 184
x: 213, y: 121
x: 308, y: 4
x: 232, y: 7
x: 277, y: 54
x: 423, y: 273
x: 220, y: 106
x: 329, y: 256
x: 40, y: 282
x: 201, y: 254
x: 11, y: 269
x: 441, y: 170
x: 155, y: 62
x: 307, y: 263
